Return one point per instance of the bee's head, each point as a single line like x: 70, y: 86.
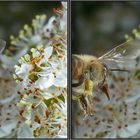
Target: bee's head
x: 96, y: 71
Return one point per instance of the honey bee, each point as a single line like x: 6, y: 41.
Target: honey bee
x: 90, y: 72
x: 2, y: 45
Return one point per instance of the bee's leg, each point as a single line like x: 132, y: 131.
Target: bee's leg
x: 90, y: 105
x: 103, y: 85
x: 104, y: 89
x: 84, y: 105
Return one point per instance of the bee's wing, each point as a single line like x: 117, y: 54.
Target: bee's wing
x: 125, y: 53
x: 2, y: 45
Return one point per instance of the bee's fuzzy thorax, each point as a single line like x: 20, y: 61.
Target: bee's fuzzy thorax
x: 87, y: 59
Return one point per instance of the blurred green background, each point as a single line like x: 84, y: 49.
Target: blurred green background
x: 99, y: 26
x: 13, y: 15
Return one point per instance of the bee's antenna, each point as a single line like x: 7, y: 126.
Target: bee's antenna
x: 108, y: 69
x: 118, y: 70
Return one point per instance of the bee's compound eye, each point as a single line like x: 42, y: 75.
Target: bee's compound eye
x: 91, y: 68
x: 86, y: 72
x: 91, y: 71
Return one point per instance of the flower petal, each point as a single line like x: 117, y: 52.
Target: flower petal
x: 23, y: 70
x: 24, y: 131
x: 48, y: 52
x: 45, y: 82
x: 61, y: 79
x: 130, y: 130
x: 6, y: 129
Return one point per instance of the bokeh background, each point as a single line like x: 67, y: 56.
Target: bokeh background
x: 13, y: 15
x: 99, y: 26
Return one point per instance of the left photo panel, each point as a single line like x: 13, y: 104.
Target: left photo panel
x: 33, y: 69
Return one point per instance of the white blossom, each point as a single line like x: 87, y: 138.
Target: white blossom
x: 42, y: 79
x: 117, y: 117
x: 34, y: 103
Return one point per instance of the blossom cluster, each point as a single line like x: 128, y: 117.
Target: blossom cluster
x: 40, y: 91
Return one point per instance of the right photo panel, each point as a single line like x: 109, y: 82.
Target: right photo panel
x: 105, y: 69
